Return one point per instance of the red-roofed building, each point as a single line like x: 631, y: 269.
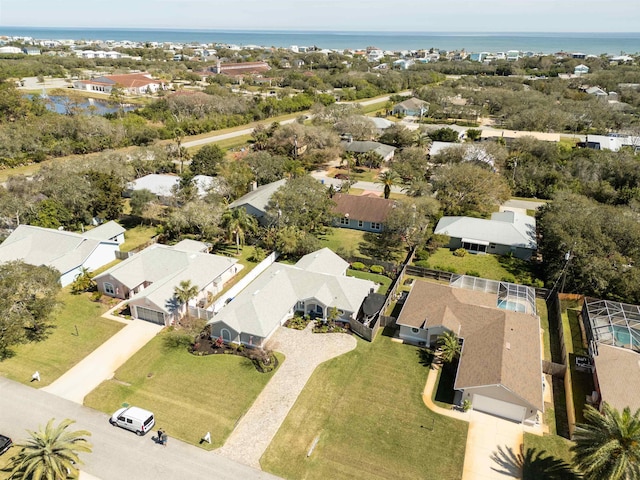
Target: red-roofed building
x: 236, y: 69
x: 131, y: 84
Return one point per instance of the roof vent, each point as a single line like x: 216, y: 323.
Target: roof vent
x: 508, y: 346
x: 256, y: 292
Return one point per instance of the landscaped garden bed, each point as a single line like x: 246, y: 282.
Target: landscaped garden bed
x: 264, y: 360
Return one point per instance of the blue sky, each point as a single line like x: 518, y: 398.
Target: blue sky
x: 389, y: 15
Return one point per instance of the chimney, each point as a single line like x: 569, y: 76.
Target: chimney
x: 253, y: 187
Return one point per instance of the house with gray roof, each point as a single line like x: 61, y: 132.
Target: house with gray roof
x: 67, y: 252
x: 314, y: 286
x: 148, y: 279
x: 413, y: 107
x: 500, y: 364
x: 255, y: 202
x: 506, y: 232
x: 357, y: 147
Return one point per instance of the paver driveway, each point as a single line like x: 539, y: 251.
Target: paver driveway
x: 304, y: 351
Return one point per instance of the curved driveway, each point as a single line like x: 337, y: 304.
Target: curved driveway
x: 304, y: 351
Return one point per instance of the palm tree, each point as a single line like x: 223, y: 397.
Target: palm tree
x: 449, y: 346
x: 186, y: 291
x: 388, y: 179
x: 50, y: 454
x: 237, y: 222
x: 607, y: 445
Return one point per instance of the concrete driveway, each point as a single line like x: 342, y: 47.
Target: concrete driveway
x: 117, y: 454
x: 101, y: 364
x: 304, y: 351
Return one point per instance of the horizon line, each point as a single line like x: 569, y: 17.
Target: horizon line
x: 313, y: 30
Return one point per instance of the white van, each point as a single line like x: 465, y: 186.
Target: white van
x: 133, y: 418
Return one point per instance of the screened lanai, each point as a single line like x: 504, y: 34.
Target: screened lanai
x: 509, y: 296
x: 612, y: 323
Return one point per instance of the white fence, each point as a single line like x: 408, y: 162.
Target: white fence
x: 242, y: 284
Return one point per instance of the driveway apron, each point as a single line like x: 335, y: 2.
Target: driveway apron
x: 304, y: 351
x: 101, y: 364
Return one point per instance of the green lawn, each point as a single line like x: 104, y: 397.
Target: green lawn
x: 189, y: 395
x: 366, y: 409
x: 553, y: 445
x: 493, y: 267
x: 343, y: 239
x: 63, y: 349
x: 384, y: 282
x: 137, y: 236
x: 541, y: 307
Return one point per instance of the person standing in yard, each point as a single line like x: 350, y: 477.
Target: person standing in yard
x: 164, y: 439
x: 160, y: 435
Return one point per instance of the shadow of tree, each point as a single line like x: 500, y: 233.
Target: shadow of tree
x: 532, y: 465
x: 426, y: 357
x: 375, y: 245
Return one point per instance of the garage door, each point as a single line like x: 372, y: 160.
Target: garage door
x: 149, y: 315
x: 498, y: 408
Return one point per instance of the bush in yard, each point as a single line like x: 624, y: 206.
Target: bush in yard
x: 422, y: 263
x: 508, y: 278
x: 358, y: 266
x: 466, y: 405
x: 422, y: 254
x: 178, y: 339
x: 379, y: 269
x: 96, y: 296
x: 473, y: 273
x: 258, y: 255
x: 460, y: 252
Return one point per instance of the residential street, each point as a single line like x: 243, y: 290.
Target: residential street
x: 117, y: 454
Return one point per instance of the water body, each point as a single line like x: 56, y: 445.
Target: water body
x: 588, y: 43
x: 91, y: 106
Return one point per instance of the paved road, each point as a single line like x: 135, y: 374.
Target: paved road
x: 304, y: 351
x: 101, y: 364
x: 321, y: 175
x: 117, y: 454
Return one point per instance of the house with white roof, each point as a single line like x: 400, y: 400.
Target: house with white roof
x: 163, y: 186
x: 148, y: 279
x: 506, y: 232
x: 67, y: 252
x: 580, y: 70
x: 314, y: 285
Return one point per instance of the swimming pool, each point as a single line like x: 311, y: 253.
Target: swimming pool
x: 513, y: 306
x: 623, y: 335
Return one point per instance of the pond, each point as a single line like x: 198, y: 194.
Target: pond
x: 62, y: 103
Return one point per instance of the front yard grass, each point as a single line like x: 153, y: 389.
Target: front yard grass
x: 189, y: 395
x: 553, y: 445
x: 489, y: 266
x: 344, y: 240
x: 63, y: 348
x: 366, y: 409
x: 137, y: 236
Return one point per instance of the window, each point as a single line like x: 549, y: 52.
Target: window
x: 344, y: 221
x: 360, y: 223
x: 108, y: 289
x: 414, y: 330
x: 375, y: 226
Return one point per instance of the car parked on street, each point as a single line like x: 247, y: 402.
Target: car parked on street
x: 135, y: 419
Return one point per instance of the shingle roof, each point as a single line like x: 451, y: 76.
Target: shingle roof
x: 412, y: 103
x: 158, y: 184
x: 61, y: 250
x: 259, y: 198
x: 323, y: 261
x: 500, y: 347
x: 105, y: 231
x: 365, y: 208
x: 356, y: 146
x: 164, y: 267
x: 618, y: 376
x: 260, y: 307
x: 504, y: 228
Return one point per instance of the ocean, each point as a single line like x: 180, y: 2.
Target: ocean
x: 588, y: 43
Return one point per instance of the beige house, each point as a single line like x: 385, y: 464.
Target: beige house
x: 148, y: 279
x: 500, y: 367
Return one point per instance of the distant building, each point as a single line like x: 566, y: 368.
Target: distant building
x: 131, y: 84
x: 235, y: 69
x: 581, y: 70
x: 412, y: 106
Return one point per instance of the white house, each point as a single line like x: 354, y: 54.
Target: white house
x: 506, y: 232
x: 314, y: 285
x: 255, y: 202
x: 163, y: 185
x: 67, y: 252
x: 580, y: 70
x: 131, y: 84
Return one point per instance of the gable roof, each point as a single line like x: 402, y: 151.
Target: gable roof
x: 259, y: 198
x: 504, y: 228
x: 412, y: 104
x: 164, y: 267
x: 357, y: 146
x: 365, y: 208
x: 59, y: 249
x: 501, y: 347
x: 105, y: 231
x: 323, y: 261
x: 260, y: 307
